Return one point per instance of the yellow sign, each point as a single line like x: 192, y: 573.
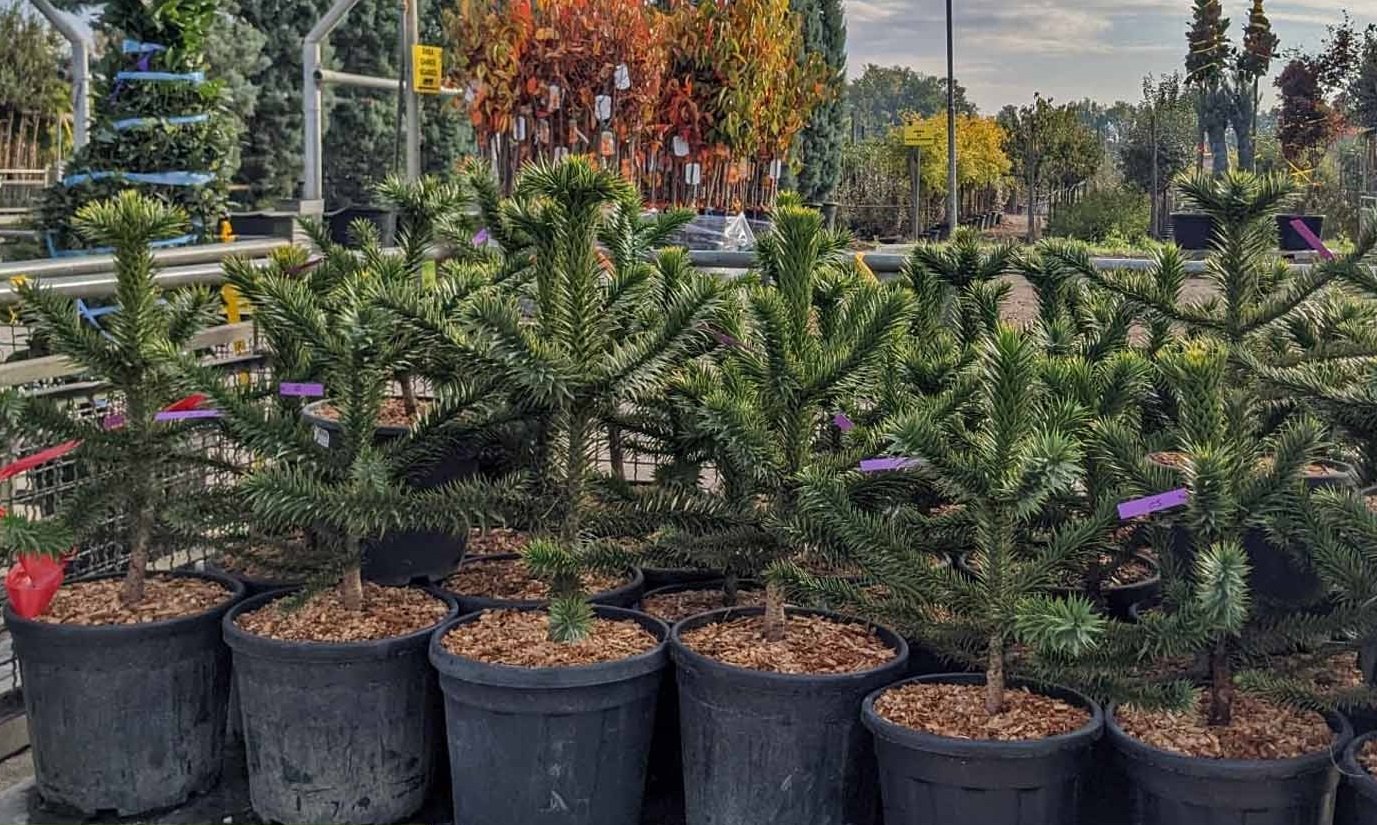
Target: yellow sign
x: 426, y: 67
x: 913, y: 136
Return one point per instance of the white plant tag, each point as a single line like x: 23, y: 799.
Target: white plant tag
x: 561, y: 152
x: 554, y: 96
x: 623, y: 77
x: 776, y: 169
x: 681, y: 147
x: 322, y: 436
x: 603, y: 104
x: 519, y: 129
x: 693, y: 174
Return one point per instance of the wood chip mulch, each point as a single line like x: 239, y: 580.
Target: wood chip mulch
x: 387, y: 612
x: 268, y: 562
x: 391, y: 414
x: 958, y: 712
x: 812, y: 644
x: 1260, y: 730
x: 1371, y: 501
x: 1170, y: 458
x: 495, y: 541
x: 1367, y: 756
x: 509, y: 579
x: 98, y: 602
x: 1132, y: 571
x: 672, y: 607
x: 521, y: 638
x: 1325, y: 672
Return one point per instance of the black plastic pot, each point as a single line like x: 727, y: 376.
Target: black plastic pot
x: 410, y: 556
x: 1171, y: 789
x: 1357, y: 802
x: 936, y: 780
x: 252, y: 586
x: 657, y: 577
x: 1118, y: 599
x: 627, y: 595
x: 550, y: 746
x: 336, y: 732
x: 1290, y: 240
x: 384, y: 219
x: 128, y: 718
x: 764, y: 747
x: 1192, y: 231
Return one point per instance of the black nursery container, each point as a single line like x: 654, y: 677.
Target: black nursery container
x: 627, y: 595
x: 936, y: 780
x: 345, y: 732
x: 1290, y: 240
x: 128, y: 718
x: 252, y: 586
x: 550, y: 746
x: 1192, y: 231
x: 409, y: 556
x: 1171, y: 789
x: 1357, y: 804
x: 764, y: 747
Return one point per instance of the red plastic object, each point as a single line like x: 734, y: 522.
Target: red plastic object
x: 32, y: 582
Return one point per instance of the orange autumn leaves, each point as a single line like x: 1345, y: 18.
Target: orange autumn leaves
x: 723, y: 77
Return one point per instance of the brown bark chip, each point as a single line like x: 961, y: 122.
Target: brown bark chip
x: 387, y: 612
x: 509, y: 579
x: 521, y: 638
x: 673, y: 607
x: 98, y: 602
x: 1260, y: 730
x: 814, y: 644
x: 391, y: 414
x: 495, y: 541
x: 1367, y: 756
x: 958, y: 712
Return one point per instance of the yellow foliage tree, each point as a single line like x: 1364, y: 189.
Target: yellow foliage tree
x: 980, y: 157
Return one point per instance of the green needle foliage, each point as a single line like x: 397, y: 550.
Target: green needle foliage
x: 817, y: 337
x: 1000, y: 443
x: 38, y: 537
x: 568, y: 339
x: 127, y: 490
x: 1246, y: 496
x: 349, y: 485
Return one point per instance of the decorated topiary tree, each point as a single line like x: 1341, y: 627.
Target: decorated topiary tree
x: 160, y: 126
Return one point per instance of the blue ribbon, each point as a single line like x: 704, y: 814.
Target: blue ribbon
x: 137, y: 47
x: 136, y: 122
x: 54, y: 252
x: 154, y: 178
x: 173, y: 77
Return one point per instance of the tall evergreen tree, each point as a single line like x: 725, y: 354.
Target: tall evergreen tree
x: 819, y: 144
x: 361, y: 140
x: 1253, y: 63
x: 1207, y: 64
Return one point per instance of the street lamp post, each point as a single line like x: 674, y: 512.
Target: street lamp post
x: 953, y: 210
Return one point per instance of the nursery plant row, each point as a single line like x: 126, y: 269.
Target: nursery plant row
x: 903, y: 559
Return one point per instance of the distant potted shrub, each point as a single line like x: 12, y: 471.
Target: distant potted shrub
x: 126, y: 677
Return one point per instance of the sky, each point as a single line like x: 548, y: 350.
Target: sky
x: 1067, y: 49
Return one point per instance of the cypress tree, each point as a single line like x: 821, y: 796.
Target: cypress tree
x: 360, y: 145
x: 820, y: 142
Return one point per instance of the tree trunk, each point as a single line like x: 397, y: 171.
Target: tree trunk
x: 1219, y: 148
x: 351, y: 588
x: 1221, y: 687
x: 131, y: 593
x: 774, y: 613
x: 994, y: 675
x: 616, y: 456
x: 408, y: 396
x: 730, y: 583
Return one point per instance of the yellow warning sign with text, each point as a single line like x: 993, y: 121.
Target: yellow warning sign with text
x: 913, y: 136
x: 426, y: 67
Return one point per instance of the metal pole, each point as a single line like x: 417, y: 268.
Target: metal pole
x: 413, y: 114
x: 915, y: 170
x: 313, y: 173
x: 953, y: 208
x: 81, y: 69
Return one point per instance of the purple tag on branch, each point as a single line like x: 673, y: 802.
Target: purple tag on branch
x: 1151, y: 504
x: 1311, y: 238
x: 723, y: 338
x: 112, y: 421
x: 181, y: 415
x: 879, y: 465
x: 304, y: 390
x: 480, y: 238
x: 843, y: 423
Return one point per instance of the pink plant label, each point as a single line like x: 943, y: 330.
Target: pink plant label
x: 304, y: 390
x: 1162, y: 501
x: 724, y: 339
x: 843, y: 423
x: 880, y: 465
x: 1311, y: 238
x: 183, y: 415
x: 112, y: 422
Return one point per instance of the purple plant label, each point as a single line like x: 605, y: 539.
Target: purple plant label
x: 880, y: 465
x: 304, y: 390
x: 843, y: 423
x: 112, y: 421
x: 1151, y: 504
x: 480, y: 238
x: 1311, y: 238
x: 182, y: 415
x: 724, y: 339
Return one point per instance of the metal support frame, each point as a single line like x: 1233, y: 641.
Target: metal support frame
x: 314, y: 76
x: 81, y: 45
